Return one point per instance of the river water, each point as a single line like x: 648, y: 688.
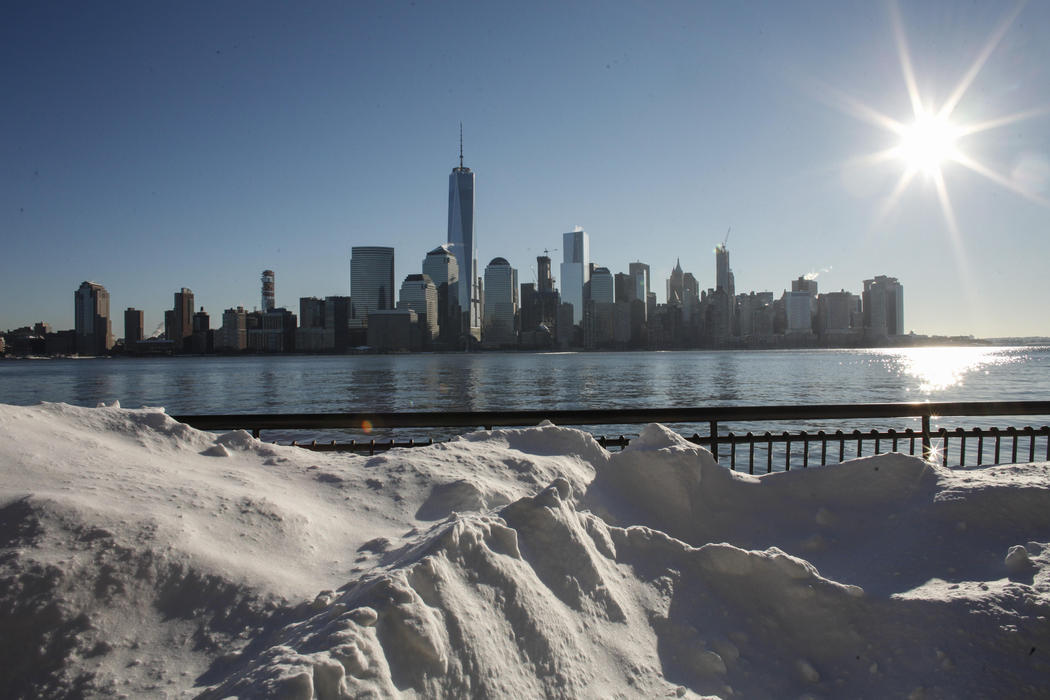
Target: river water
x: 501, y: 381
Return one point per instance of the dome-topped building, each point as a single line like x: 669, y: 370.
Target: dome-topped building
x: 501, y: 304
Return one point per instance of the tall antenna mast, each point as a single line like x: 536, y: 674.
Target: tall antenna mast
x: 461, y: 144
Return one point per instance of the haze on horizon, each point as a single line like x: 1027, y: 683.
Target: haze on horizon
x: 154, y: 147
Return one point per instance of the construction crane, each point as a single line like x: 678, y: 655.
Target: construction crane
x: 726, y: 239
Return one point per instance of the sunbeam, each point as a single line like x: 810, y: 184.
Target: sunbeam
x: 981, y: 169
x: 930, y: 140
x: 982, y: 57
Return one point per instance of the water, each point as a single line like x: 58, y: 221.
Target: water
x: 503, y: 381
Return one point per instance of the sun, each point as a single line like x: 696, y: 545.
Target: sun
x: 928, y: 143
x: 929, y: 138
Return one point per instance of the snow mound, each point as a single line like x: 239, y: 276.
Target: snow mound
x: 140, y: 557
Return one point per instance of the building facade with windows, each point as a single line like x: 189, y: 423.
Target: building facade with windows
x: 371, y: 282
x: 94, y: 335
x: 462, y: 243
x: 575, y: 270
x: 501, y: 304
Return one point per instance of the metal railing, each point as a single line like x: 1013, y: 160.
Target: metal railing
x: 774, y: 449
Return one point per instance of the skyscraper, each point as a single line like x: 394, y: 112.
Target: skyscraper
x: 91, y: 318
x: 267, y: 291
x: 462, y: 242
x: 178, y: 324
x: 603, y: 289
x: 575, y: 270
x: 639, y: 273
x: 441, y: 266
x: 545, y: 283
x: 723, y: 274
x: 133, y: 323
x: 798, y: 310
x: 676, y: 285
x: 724, y: 281
x: 371, y: 282
x: 501, y: 303
x: 539, y: 305
x: 883, y: 300
x: 419, y: 294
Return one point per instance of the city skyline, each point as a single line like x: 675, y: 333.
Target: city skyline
x: 224, y: 151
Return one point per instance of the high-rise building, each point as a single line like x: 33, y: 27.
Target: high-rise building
x: 638, y: 289
x: 371, y: 282
x: 94, y: 335
x: 724, y: 281
x: 463, y: 244
x: 538, y: 303
x: 311, y: 312
x: 804, y: 285
x: 273, y: 331
x: 723, y: 273
x: 544, y: 281
x: 639, y: 273
x: 202, y: 340
x: 676, y: 285
x: 796, y: 319
x: 575, y: 270
x: 501, y: 303
x: 178, y: 325
x: 267, y: 291
x: 441, y: 266
x: 798, y: 309
x: 835, y: 312
x: 133, y: 322
x: 323, y: 324
x: 419, y: 294
x: 603, y: 286
x: 337, y: 323
x: 310, y: 336
x: 233, y: 336
x: 754, y: 314
x: 883, y: 304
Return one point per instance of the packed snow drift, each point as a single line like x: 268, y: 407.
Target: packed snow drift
x: 140, y: 557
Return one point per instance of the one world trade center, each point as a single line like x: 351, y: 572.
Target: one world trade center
x: 463, y: 245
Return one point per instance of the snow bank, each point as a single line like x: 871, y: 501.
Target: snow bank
x: 141, y: 557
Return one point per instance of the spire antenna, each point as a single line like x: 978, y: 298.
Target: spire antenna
x: 461, y: 144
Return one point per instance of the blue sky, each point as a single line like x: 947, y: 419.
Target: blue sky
x: 152, y: 146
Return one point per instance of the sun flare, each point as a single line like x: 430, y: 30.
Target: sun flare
x: 928, y: 140
x: 928, y: 143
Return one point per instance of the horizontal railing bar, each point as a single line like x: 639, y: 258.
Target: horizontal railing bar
x: 441, y: 419
x: 815, y: 440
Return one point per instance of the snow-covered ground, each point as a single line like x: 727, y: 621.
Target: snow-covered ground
x: 141, y: 557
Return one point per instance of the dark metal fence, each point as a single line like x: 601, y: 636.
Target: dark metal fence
x: 762, y: 451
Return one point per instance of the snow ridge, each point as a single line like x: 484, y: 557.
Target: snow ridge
x: 142, y: 558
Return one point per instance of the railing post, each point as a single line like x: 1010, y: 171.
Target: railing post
x: 926, y: 446
x: 750, y: 453
x: 714, y: 438
x: 769, y: 452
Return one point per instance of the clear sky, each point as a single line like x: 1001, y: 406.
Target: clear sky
x: 154, y: 146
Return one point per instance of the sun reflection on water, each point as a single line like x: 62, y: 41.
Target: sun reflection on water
x: 937, y: 369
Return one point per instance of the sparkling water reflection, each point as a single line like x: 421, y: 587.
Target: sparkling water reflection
x: 503, y: 381
x: 937, y: 369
